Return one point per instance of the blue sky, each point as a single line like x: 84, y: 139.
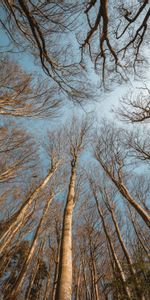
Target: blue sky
x: 102, y: 108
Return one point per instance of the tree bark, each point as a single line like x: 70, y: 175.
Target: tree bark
x: 117, y: 262
x: 56, y: 273
x: 34, y: 272
x: 127, y: 256
x: 26, y: 265
x: 64, y: 286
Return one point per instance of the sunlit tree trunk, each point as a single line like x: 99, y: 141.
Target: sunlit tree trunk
x: 26, y: 265
x: 17, y: 220
x: 117, y: 262
x: 95, y: 280
x: 127, y: 256
x: 64, y: 286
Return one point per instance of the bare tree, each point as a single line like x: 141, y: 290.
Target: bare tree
x: 77, y: 138
x: 12, y: 225
x: 111, y: 40
x: 37, y: 25
x: 135, y: 108
x: 18, y: 284
x: 16, y: 152
x: 137, y: 142
x: 23, y: 95
x: 112, y: 248
x: 113, y: 158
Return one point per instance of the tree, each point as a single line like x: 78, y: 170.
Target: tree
x: 110, y: 154
x: 11, y: 226
x: 37, y: 26
x: 14, y: 266
x: 77, y: 136
x: 26, y: 264
x: 117, y: 38
x: 23, y: 95
x: 135, y: 108
x: 42, y: 28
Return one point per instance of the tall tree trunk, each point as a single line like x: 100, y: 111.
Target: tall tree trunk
x: 94, y: 272
x: 78, y: 284
x: 32, y: 278
x: 17, y: 220
x: 127, y: 256
x: 117, y: 262
x: 26, y: 265
x: 146, y: 249
x: 64, y: 285
x: 34, y: 272
x: 47, y: 288
x: 95, y: 280
x: 56, y: 272
x: 87, y: 294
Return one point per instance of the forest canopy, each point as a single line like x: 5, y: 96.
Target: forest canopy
x: 74, y: 186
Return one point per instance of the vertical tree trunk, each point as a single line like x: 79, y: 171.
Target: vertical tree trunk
x: 117, y: 262
x: 16, y: 221
x: 64, y: 286
x: 56, y: 273
x: 34, y: 272
x: 26, y: 265
x: 32, y: 278
x: 78, y: 284
x: 95, y: 281
x: 94, y: 272
x: 85, y: 281
x: 127, y: 256
x: 47, y: 292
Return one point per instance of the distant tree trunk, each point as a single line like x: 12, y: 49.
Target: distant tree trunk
x: 94, y: 272
x: 95, y: 281
x: 56, y: 272
x: 15, y: 223
x: 64, y: 285
x: 117, y: 262
x: 78, y: 284
x: 34, y: 272
x: 26, y: 265
x: 5, y: 260
x: 146, y: 249
x: 47, y: 288
x: 127, y: 256
x: 32, y: 278
x: 85, y: 280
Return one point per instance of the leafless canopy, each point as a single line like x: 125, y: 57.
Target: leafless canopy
x: 41, y: 28
x: 22, y: 95
x: 116, y: 33
x: 135, y: 108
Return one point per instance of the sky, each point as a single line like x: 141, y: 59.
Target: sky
x: 102, y: 108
